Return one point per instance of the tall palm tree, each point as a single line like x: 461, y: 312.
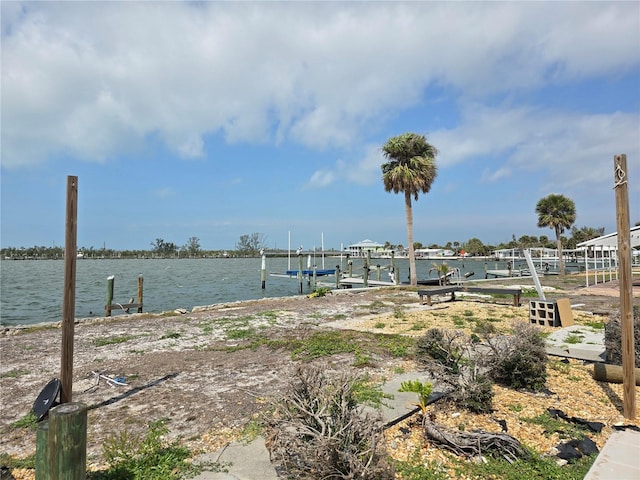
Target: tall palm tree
x: 411, y: 169
x: 557, y: 212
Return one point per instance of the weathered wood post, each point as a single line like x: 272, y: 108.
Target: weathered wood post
x: 67, y: 442
x: 620, y: 185
x: 365, y: 268
x: 263, y: 271
x: 107, y: 306
x: 337, y: 276
x: 43, y: 460
x: 69, y: 295
x: 300, y: 271
x: 140, y: 284
x: 378, y: 272
x: 350, y: 268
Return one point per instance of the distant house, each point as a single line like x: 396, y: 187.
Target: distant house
x: 434, y: 253
x: 360, y: 249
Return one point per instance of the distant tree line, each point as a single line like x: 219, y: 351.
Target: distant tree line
x: 250, y: 245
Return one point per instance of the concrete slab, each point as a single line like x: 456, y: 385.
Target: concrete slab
x: 246, y: 461
x: 585, y: 343
x: 619, y: 458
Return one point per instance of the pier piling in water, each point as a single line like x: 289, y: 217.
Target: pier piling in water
x: 109, y: 306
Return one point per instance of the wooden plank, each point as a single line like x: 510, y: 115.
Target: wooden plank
x: 565, y: 312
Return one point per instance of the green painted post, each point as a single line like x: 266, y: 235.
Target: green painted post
x: 67, y: 441
x: 42, y: 451
x: 107, y: 307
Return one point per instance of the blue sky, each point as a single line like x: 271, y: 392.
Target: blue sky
x: 215, y: 120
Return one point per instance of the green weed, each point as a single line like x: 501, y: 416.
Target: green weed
x: 28, y: 421
x: 101, y: 342
x: 151, y: 457
x: 15, y: 373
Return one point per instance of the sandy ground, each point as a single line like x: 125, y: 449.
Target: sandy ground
x: 191, y: 369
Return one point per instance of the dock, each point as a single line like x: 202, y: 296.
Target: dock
x: 349, y: 282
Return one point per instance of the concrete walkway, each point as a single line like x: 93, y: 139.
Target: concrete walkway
x: 618, y: 460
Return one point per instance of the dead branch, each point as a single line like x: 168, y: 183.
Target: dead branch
x: 473, y: 444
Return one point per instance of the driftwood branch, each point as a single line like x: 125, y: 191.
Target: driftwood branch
x: 473, y: 444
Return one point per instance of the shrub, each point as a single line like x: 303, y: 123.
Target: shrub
x: 450, y: 358
x: 613, y: 337
x: 475, y: 394
x: 519, y: 360
x: 317, y: 430
x: 442, y: 346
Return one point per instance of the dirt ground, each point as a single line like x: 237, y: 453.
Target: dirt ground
x: 190, y: 368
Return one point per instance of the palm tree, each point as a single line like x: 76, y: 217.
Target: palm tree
x: 557, y: 212
x: 411, y: 169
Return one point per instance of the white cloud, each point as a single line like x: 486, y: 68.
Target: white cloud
x: 97, y: 78
x: 320, y: 179
x: 489, y: 176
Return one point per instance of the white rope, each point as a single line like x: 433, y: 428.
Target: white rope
x: 619, y: 176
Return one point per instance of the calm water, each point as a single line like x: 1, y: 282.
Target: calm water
x: 31, y: 290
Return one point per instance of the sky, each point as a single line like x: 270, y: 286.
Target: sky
x: 221, y: 119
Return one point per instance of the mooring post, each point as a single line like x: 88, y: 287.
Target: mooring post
x: 337, y: 276
x: 393, y: 268
x: 69, y: 294
x: 43, y: 460
x: 140, y: 283
x: 350, y: 268
x: 107, y: 307
x: 365, y: 273
x: 315, y: 276
x: 300, y: 271
x: 263, y: 271
x: 67, y: 442
x: 378, y: 272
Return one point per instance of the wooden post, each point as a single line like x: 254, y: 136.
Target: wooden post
x: 300, y: 272
x: 263, y: 272
x: 107, y: 306
x: 365, y: 273
x: 620, y: 185
x: 69, y: 296
x: 393, y: 268
x: 67, y: 442
x: 337, y: 276
x: 43, y: 459
x: 350, y: 268
x: 315, y: 276
x: 140, y: 283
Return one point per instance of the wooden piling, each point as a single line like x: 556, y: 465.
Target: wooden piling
x: 67, y: 442
x: 69, y: 294
x: 337, y: 276
x: 140, y: 285
x: 621, y: 187
x: 365, y: 273
x: 300, y: 273
x: 43, y: 460
x: 107, y: 306
x: 263, y: 272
